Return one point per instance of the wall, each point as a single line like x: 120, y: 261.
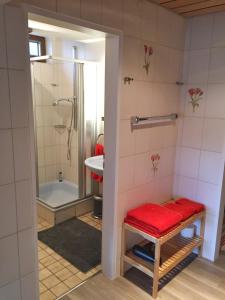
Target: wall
x: 201, y: 142
x: 17, y: 223
x: 142, y: 23
x: 153, y: 94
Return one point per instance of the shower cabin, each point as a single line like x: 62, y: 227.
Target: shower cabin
x: 64, y: 103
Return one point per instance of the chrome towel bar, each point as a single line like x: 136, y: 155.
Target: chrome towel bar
x: 143, y: 122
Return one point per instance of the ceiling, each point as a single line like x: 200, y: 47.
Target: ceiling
x: 188, y: 8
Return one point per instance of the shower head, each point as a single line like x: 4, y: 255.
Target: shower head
x: 71, y: 100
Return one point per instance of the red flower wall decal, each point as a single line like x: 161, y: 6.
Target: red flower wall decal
x: 155, y: 158
x: 195, y: 95
x: 148, y: 53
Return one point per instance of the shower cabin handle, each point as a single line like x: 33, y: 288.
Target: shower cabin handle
x: 75, y: 113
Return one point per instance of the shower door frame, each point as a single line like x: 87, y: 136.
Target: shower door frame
x: 79, y: 116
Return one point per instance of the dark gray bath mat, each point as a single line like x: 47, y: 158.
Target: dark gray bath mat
x: 76, y: 241
x: 144, y: 282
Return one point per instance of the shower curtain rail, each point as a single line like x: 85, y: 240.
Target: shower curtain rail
x: 72, y: 60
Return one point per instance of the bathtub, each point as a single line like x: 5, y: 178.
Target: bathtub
x: 56, y: 194
x: 59, y: 201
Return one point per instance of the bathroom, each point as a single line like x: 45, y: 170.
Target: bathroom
x: 67, y: 74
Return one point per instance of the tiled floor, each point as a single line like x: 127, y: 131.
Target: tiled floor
x: 56, y: 275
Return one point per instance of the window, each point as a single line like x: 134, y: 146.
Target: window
x: 37, y: 46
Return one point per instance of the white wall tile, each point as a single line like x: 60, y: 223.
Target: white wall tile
x: 210, y: 237
x: 217, y: 65
x: 50, y: 4
x: 15, y: 37
x: 130, y: 57
x: 209, y: 195
x: 6, y: 157
x: 219, y: 30
x: 187, y: 187
x: 126, y: 173
x: 215, y: 105
x: 192, y: 132
x: 28, y: 286
x: 21, y: 148
x: 26, y: 251
x: 142, y: 140
x: 201, y: 33
x: 8, y: 223
x: 199, y: 111
x: 3, y: 62
x: 24, y: 204
x: 142, y: 166
x: 10, y: 291
x: 132, y: 17
x: 198, y: 66
x: 9, y: 263
x: 126, y: 139
x: 167, y: 23
x: 5, y: 119
x: 189, y: 162
x: 211, y: 167
x: 214, y: 135
x: 69, y: 7
x: 149, y: 21
x: 18, y: 98
x: 92, y: 10
x: 128, y: 100
x: 143, y: 100
x: 112, y: 13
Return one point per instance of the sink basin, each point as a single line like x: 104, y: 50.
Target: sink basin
x: 95, y: 164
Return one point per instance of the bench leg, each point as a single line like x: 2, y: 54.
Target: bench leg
x: 123, y: 250
x: 156, y: 270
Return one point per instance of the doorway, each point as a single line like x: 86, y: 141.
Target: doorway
x: 83, y: 200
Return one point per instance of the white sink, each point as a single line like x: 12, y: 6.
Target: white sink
x: 95, y: 164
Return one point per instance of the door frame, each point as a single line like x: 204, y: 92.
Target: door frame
x: 113, y: 79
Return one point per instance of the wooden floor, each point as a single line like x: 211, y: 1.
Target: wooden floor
x: 200, y: 280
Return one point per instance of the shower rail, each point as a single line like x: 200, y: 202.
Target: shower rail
x: 45, y: 57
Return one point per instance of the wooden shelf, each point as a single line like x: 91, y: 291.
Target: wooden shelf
x: 182, y: 248
x: 170, y: 249
x: 172, y: 253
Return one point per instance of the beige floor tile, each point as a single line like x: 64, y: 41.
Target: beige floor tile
x: 64, y: 262
x: 60, y: 289
x: 84, y: 276
x: 56, y: 256
x: 51, y: 281
x: 49, y: 251
x: 48, y: 295
x: 64, y: 274
x: 73, y: 269
x: 42, y: 254
x: 47, y: 261
x: 41, y: 245
x: 43, y: 274
x: 55, y: 267
x: 72, y: 281
x: 40, y: 266
x: 42, y: 288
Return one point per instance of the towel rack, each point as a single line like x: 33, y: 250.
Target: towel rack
x: 143, y: 122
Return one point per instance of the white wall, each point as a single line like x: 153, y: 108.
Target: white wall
x: 17, y: 223
x: 201, y: 141
x: 142, y: 23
